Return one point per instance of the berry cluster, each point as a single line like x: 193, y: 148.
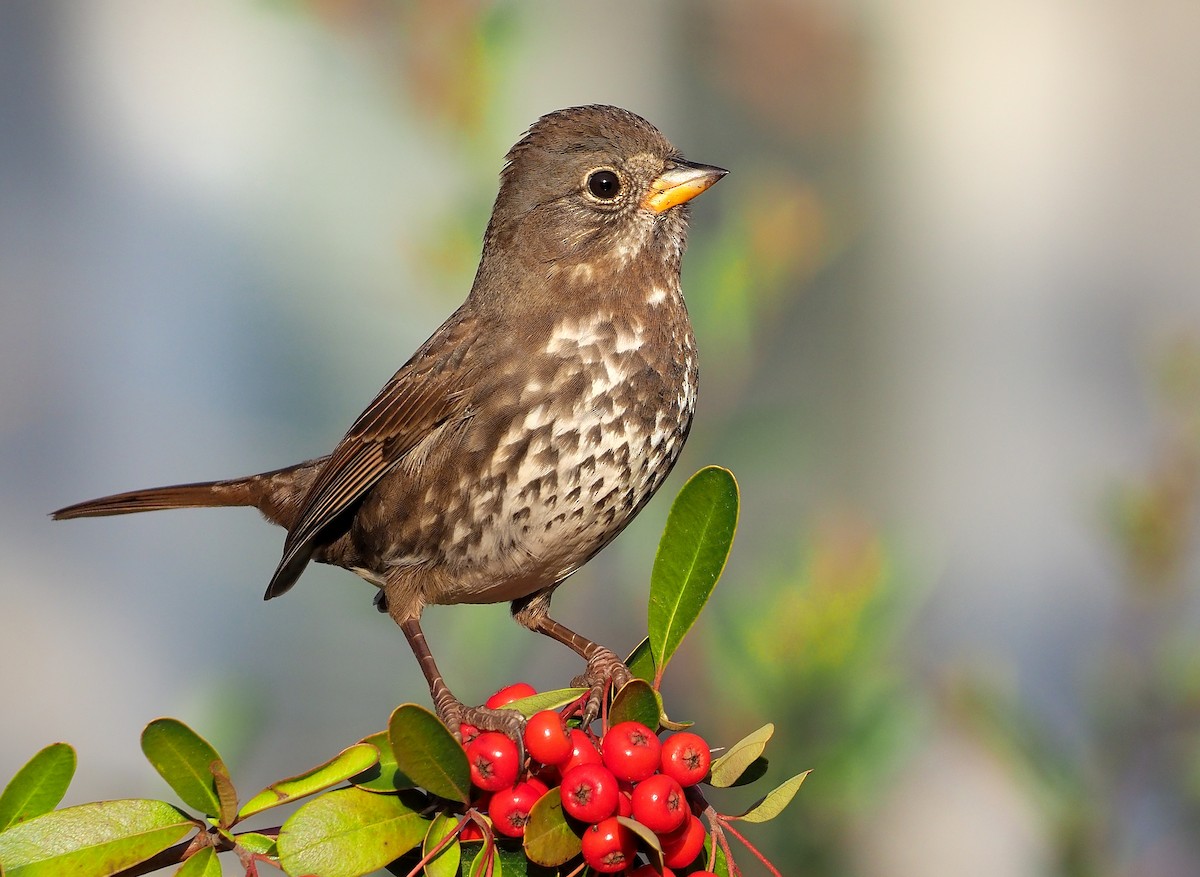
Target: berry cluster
x: 625, y: 772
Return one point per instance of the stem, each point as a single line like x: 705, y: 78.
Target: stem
x: 766, y: 862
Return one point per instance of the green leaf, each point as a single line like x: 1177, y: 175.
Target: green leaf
x: 691, y: 555
x: 183, y: 758
x: 726, y: 770
x: 545, y: 700
x: 754, y: 772
x: 445, y: 863
x: 641, y: 661
x: 549, y: 839
x: 648, y: 837
x: 487, y: 863
x: 383, y: 776
x: 349, y: 832
x: 636, y: 702
x: 259, y: 844
x: 92, y: 840
x: 771, y: 804
x: 341, y: 767
x: 38, y: 786
x: 202, y: 864
x: 721, y: 865
x: 427, y: 752
x: 226, y: 793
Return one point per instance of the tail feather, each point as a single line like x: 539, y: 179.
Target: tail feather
x: 202, y: 494
x: 277, y: 494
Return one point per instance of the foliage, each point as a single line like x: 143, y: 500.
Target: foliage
x: 402, y: 798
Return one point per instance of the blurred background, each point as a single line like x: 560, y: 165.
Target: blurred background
x: 948, y: 306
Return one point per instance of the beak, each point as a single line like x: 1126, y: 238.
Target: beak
x: 681, y: 181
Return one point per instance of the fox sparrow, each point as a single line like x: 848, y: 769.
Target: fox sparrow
x: 533, y: 425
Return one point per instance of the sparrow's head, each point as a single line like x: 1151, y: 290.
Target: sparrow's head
x: 594, y: 186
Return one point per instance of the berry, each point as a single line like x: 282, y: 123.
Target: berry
x: 509, y: 808
x: 682, y: 846
x: 608, y: 846
x: 649, y: 870
x: 467, y: 733
x: 631, y: 751
x: 625, y: 804
x: 589, y: 793
x: 547, y: 739
x: 470, y: 832
x: 494, y: 761
x: 686, y: 757
x: 508, y: 694
x: 539, y: 786
x: 659, y: 804
x: 583, y: 751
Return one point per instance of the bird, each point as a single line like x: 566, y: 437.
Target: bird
x: 532, y: 426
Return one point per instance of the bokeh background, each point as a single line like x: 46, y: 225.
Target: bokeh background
x: 948, y: 305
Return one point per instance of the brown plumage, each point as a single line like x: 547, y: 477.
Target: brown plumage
x: 533, y: 425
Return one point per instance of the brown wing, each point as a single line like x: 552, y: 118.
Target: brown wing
x: 425, y: 394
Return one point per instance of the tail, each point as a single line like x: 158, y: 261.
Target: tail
x: 276, y: 494
x: 202, y: 494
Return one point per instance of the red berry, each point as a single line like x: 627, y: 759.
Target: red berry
x: 494, y: 761
x: 508, y: 694
x: 649, y: 870
x: 470, y: 832
x: 537, y: 783
x: 608, y: 846
x: 682, y: 846
x: 509, y: 809
x: 547, y: 739
x: 467, y: 733
x: 583, y: 751
x: 589, y: 792
x: 631, y: 751
x: 625, y: 804
x: 686, y: 757
x: 659, y: 804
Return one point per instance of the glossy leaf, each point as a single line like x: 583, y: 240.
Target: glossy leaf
x: 549, y: 839
x: 726, y: 770
x: 349, y: 832
x: 641, y: 661
x: 545, y: 700
x: 442, y: 833
x: 92, y: 840
x: 183, y: 758
x: 772, y: 803
x: 202, y: 864
x: 341, y: 767
x: 39, y: 786
x: 428, y: 753
x: 637, y: 701
x: 691, y: 555
x: 383, y: 776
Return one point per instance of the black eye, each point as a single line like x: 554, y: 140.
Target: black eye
x: 604, y: 184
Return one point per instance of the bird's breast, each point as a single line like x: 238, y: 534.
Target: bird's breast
x: 595, y: 419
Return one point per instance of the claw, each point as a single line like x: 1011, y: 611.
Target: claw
x: 510, y: 723
x: 605, y: 672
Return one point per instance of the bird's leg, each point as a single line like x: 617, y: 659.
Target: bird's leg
x: 604, y: 668
x: 452, y: 711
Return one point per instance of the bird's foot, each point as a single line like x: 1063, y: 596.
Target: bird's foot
x: 605, y: 672
x: 454, y: 713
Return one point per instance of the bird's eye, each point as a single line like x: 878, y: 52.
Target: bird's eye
x: 604, y: 184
